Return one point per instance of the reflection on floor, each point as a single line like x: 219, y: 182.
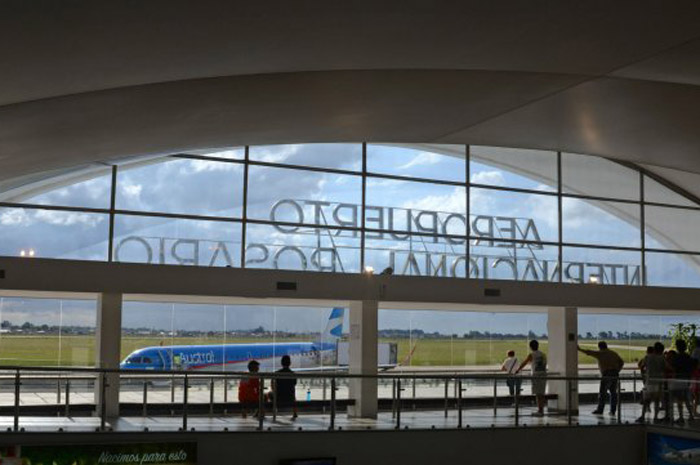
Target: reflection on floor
x: 409, y: 419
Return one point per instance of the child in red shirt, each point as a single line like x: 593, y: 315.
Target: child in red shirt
x: 249, y: 390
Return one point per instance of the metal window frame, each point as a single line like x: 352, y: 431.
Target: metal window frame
x: 366, y: 175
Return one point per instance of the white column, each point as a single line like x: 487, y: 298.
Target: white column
x: 363, y: 357
x: 562, y: 333
x: 107, y: 350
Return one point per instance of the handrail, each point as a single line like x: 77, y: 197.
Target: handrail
x: 553, y: 376
x: 193, y: 399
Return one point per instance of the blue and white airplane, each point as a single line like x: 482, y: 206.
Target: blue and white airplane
x: 235, y: 357
x: 681, y: 456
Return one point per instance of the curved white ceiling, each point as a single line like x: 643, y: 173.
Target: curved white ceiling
x: 86, y: 81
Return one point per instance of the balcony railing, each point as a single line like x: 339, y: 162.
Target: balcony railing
x: 57, y: 399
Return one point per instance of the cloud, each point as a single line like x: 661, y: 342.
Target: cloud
x: 61, y: 218
x: 131, y: 190
x: 491, y: 178
x: 452, y: 202
x: 423, y: 159
x: 199, y: 166
x: 15, y: 217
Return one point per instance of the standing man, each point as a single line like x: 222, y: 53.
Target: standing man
x: 538, y: 362
x: 683, y: 366
x: 610, y: 364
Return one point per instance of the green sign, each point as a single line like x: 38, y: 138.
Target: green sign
x: 167, y: 453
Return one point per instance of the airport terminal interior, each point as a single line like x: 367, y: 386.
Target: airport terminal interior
x: 317, y: 233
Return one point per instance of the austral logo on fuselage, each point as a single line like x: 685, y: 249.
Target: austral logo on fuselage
x: 196, y: 358
x: 325, y: 236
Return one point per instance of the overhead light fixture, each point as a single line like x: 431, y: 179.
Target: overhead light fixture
x: 369, y: 270
x: 593, y: 279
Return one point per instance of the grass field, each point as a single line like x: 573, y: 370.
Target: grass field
x: 485, y: 352
x: 49, y: 350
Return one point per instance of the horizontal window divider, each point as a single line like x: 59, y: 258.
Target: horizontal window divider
x: 676, y: 207
x: 304, y: 168
x: 194, y: 156
x: 396, y: 177
x: 185, y: 216
x: 513, y: 189
x: 602, y: 247
x: 671, y: 251
x: 355, y: 229
x: 512, y: 241
x: 301, y: 225
x: 602, y: 199
x: 32, y: 206
x: 413, y: 234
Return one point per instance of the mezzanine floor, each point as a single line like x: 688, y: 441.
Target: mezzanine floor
x: 409, y: 419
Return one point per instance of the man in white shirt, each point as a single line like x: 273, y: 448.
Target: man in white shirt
x: 510, y: 365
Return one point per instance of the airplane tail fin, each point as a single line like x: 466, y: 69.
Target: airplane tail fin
x: 334, y: 327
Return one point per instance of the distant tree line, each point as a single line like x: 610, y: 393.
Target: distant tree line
x: 420, y: 334
x: 261, y: 332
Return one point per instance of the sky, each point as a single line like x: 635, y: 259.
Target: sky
x: 215, y: 188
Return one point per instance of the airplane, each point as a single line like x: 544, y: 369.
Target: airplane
x: 235, y: 357
x: 681, y: 456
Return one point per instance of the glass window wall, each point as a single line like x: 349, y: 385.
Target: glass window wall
x: 414, y: 255
x: 515, y: 261
x: 601, y: 266
x: 337, y: 207
x: 84, y: 187
x: 176, y: 241
x: 47, y: 332
x: 426, y: 161
x: 410, y: 206
x: 598, y: 177
x: 182, y: 186
x: 40, y: 233
x: 672, y: 228
x: 515, y: 168
x: 655, y: 192
x: 668, y: 269
x: 509, y: 215
x: 347, y: 157
x: 601, y: 223
x: 302, y: 248
x: 303, y: 197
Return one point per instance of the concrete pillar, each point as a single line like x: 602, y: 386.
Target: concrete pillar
x: 562, y: 356
x: 363, y: 357
x: 107, y: 350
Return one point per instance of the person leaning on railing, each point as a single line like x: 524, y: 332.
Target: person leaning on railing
x: 509, y: 365
x: 610, y: 364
